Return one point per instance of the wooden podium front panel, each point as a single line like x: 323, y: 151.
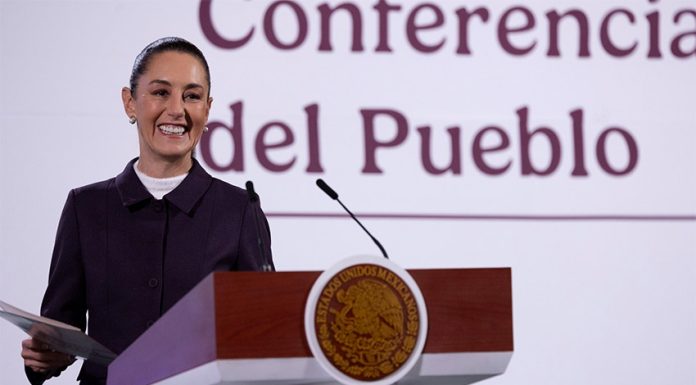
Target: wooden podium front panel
x: 469, y: 310
x: 261, y: 315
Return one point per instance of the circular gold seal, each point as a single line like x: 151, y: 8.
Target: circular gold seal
x: 368, y: 321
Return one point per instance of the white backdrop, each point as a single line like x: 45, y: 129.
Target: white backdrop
x: 604, y: 266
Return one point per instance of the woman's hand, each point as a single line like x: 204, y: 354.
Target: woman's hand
x: 41, y: 359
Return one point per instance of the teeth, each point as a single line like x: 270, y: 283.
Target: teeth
x: 172, y: 130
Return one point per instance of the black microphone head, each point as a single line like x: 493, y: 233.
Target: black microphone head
x: 328, y: 190
x: 253, y: 196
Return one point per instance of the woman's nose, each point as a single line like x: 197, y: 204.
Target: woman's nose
x: 175, y: 107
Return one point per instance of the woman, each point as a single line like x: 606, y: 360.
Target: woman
x: 130, y: 247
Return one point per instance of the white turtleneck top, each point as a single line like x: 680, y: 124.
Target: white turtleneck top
x: 158, y: 187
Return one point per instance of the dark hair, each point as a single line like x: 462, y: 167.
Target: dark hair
x: 163, y: 45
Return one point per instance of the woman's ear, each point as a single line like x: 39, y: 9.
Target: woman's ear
x: 128, y: 102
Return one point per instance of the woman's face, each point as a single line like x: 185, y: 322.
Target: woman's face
x: 171, y: 106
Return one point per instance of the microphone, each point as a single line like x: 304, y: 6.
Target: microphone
x: 333, y: 195
x: 254, y: 198
x: 328, y: 190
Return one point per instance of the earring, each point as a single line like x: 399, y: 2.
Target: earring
x: 205, y: 129
x: 131, y: 120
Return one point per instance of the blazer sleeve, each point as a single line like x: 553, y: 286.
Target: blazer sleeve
x: 65, y: 297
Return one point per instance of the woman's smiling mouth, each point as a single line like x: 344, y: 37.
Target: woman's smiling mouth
x: 170, y: 129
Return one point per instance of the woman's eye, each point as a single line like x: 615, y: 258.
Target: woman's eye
x: 160, y: 93
x: 192, y: 97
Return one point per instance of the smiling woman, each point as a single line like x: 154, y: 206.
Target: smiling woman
x: 169, y: 98
x: 128, y: 248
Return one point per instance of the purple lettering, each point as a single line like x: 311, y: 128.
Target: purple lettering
x: 383, y: 8
x: 269, y: 27
x: 526, y: 139
x: 583, y: 26
x: 504, y: 31
x: 235, y: 132
x: 478, y: 151
x: 412, y: 28
x: 371, y: 142
x: 676, y: 42
x: 602, y: 151
x: 605, y: 38
x: 464, y: 16
x: 654, y: 34
x: 578, y: 143
x: 262, y: 146
x: 356, y: 21
x: 426, y: 154
x: 312, y: 112
x: 206, y: 20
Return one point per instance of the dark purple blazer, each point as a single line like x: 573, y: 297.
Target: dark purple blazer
x: 124, y: 257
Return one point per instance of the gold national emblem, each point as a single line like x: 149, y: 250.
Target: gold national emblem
x: 366, y: 322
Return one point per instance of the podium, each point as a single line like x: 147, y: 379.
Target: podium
x: 248, y: 328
